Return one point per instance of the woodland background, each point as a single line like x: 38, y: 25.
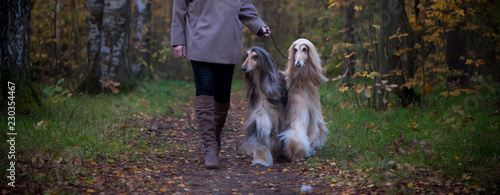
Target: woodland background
x: 398, y: 47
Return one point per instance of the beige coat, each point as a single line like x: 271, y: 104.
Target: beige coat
x: 211, y: 29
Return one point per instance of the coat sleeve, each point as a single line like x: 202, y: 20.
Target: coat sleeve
x: 250, y: 17
x: 178, y: 30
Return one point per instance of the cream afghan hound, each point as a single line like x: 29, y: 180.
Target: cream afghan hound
x: 306, y: 128
x: 266, y: 90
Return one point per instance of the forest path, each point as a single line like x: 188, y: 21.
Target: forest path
x: 180, y: 169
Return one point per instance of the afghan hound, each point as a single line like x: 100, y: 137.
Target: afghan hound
x: 266, y: 91
x: 305, y: 126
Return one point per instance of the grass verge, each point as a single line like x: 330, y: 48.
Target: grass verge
x: 53, y: 142
x: 459, y: 142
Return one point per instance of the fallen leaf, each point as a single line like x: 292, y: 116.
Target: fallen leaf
x: 368, y: 93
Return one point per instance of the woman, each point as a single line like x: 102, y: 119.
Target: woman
x: 209, y: 33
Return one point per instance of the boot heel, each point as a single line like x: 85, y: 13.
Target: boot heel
x: 211, y: 161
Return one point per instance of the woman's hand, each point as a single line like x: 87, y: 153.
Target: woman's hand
x: 266, y: 32
x: 180, y: 51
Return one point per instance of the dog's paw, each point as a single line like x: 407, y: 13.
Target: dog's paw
x: 262, y: 163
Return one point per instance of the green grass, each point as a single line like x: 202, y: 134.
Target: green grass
x: 460, y: 141
x: 83, y: 127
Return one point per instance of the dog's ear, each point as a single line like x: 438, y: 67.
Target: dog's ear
x: 270, y: 81
x: 317, y: 77
x: 291, y: 52
x: 271, y: 87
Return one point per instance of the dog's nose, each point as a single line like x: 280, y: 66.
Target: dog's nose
x: 298, y: 63
x: 243, y: 68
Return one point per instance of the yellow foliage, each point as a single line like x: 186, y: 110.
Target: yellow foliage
x: 338, y: 65
x: 397, y: 72
x: 428, y: 88
x: 398, y: 35
x: 479, y: 62
x: 457, y: 92
x: 349, y: 55
x: 471, y: 27
x: 338, y: 46
x: 373, y: 75
x: 490, y: 34
x: 401, y: 51
x: 343, y: 89
x: 332, y: 3
x: 410, y: 84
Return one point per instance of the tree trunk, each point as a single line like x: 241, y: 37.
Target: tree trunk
x: 408, y: 65
x: 386, y: 47
x: 394, y: 21
x: 94, y: 23
x: 14, y: 55
x: 115, y: 42
x: 349, y: 68
x: 108, y: 43
x: 455, y: 49
x: 141, y: 52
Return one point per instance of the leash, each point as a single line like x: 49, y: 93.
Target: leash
x: 272, y: 38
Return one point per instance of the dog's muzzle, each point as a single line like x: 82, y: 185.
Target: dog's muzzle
x: 298, y: 63
x: 243, y: 68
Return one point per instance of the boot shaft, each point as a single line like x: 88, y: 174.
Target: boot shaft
x: 205, y: 117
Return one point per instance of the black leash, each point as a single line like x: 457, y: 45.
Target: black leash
x: 272, y: 38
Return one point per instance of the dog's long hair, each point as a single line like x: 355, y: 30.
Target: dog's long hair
x: 266, y: 91
x: 306, y: 128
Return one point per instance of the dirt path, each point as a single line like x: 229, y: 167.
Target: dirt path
x: 182, y: 171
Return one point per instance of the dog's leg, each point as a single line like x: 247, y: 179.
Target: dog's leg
x: 317, y: 131
x: 296, y: 142
x: 262, y: 156
x: 323, y: 132
x: 276, y: 145
x: 262, y: 153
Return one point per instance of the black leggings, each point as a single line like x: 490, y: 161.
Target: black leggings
x: 213, y: 80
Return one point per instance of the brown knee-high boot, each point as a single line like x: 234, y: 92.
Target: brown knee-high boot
x: 220, y: 111
x: 204, y: 108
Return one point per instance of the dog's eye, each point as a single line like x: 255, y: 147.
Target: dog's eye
x: 255, y: 56
x: 295, y: 49
x: 304, y: 49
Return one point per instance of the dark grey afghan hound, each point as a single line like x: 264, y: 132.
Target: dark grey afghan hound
x: 266, y: 90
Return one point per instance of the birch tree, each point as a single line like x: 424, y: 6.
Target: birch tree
x: 141, y: 53
x: 15, y: 79
x: 108, y: 44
